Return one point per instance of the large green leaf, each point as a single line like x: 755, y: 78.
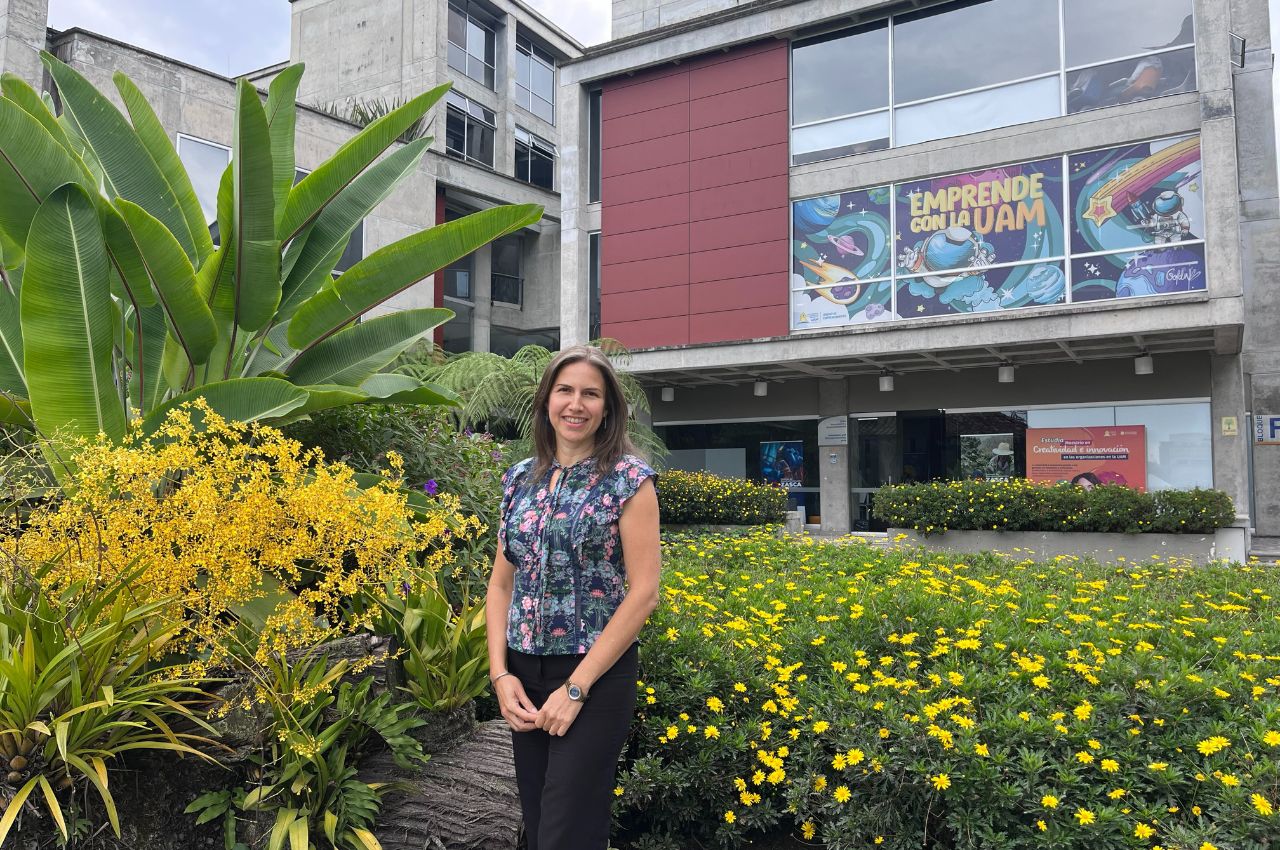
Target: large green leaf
x: 353, y: 354
x: 16, y: 89
x: 239, y: 399
x: 389, y: 388
x: 130, y: 171
x: 147, y: 387
x: 11, y: 368
x: 311, y: 257
x: 66, y: 311
x: 257, y: 253
x: 154, y: 138
x: 16, y: 411
x: 170, y: 275
x: 324, y: 184
x: 282, y: 117
x: 129, y: 281
x: 398, y: 266
x: 32, y: 165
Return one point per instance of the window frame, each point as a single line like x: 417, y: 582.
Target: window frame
x: 451, y: 214
x: 533, y: 52
x: 1062, y: 73
x: 489, y: 77
x: 177, y: 148
x: 517, y: 279
x: 533, y: 143
x: 467, y: 112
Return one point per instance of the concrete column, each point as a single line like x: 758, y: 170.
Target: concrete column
x: 1230, y: 457
x: 833, y: 461
x: 504, y: 158
x: 575, y: 298
x: 22, y: 37
x: 482, y: 298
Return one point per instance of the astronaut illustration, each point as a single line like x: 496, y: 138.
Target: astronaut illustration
x: 1167, y: 222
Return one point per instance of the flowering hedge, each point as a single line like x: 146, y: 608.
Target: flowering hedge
x: 1022, y: 505
x: 862, y: 698
x: 700, y: 497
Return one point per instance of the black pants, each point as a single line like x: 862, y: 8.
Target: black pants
x: 566, y: 782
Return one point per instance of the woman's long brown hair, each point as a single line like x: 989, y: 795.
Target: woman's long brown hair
x: 612, y: 441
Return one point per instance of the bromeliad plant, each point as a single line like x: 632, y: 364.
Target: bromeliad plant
x: 115, y: 302
x: 82, y: 681
x: 308, y: 771
x: 444, y: 656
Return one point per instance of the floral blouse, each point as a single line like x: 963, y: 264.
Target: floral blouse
x: 567, y: 552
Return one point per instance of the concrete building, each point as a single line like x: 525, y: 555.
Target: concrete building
x: 854, y: 242
x: 495, y: 137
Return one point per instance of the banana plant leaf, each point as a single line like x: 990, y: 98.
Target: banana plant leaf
x: 239, y: 399
x: 257, y: 253
x: 130, y: 171
x: 70, y: 376
x: 353, y: 354
x: 32, y: 165
x: 282, y: 118
x: 394, y: 268
x: 12, y: 372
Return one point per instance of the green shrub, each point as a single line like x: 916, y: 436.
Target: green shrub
x: 700, y: 497
x: 1021, y: 505
x: 854, y: 697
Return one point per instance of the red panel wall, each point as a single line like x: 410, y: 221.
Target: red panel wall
x: 694, y: 200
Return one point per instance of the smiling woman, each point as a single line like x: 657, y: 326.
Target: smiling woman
x: 574, y: 580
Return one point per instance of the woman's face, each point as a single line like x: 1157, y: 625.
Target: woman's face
x: 576, y: 405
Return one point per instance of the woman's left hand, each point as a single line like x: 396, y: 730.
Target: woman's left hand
x: 557, y: 713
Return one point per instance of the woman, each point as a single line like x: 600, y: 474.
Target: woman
x: 575, y: 578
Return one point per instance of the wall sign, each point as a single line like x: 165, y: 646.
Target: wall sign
x: 833, y: 431
x: 1266, y: 430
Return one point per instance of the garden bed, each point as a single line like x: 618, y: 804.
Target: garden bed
x: 1224, y: 544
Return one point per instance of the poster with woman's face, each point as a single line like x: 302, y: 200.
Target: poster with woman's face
x: 989, y: 456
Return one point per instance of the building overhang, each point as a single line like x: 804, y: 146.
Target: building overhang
x: 1084, y: 333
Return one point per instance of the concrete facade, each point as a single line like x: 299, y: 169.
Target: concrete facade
x: 1216, y: 348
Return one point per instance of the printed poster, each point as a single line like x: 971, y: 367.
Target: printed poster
x: 1147, y: 198
x: 952, y: 230
x: 782, y: 462
x: 1088, y: 457
x: 841, y: 245
x: 988, y: 456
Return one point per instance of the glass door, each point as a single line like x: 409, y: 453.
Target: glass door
x: 874, y: 460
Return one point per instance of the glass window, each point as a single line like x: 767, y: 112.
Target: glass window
x: 354, y: 251
x: 457, y: 331
x: 205, y: 163
x: 1179, y: 443
x: 535, y: 159
x: 1032, y: 100
x: 1133, y: 79
x: 507, y: 341
x: 535, y: 79
x: 471, y: 44
x: 842, y: 137
x: 593, y: 284
x: 819, y: 64
x: 595, y: 102
x: 507, y: 281
x: 1100, y: 30
x: 469, y: 130
x: 1021, y: 38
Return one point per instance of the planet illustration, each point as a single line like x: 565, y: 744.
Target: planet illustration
x: 1162, y: 271
x: 815, y: 214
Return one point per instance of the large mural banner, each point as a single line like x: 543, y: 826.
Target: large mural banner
x: 1146, y: 197
x: 840, y: 246
x: 952, y: 230
x: 1000, y: 239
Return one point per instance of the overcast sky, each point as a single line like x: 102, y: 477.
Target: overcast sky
x: 235, y: 36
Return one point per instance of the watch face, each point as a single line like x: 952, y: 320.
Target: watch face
x: 575, y: 692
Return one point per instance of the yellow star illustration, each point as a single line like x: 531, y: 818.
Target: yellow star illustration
x: 1100, y: 210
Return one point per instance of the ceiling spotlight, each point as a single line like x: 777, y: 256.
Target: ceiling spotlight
x: 761, y: 388
x: 1143, y: 364
x: 668, y: 393
x: 1006, y: 374
x: 886, y: 383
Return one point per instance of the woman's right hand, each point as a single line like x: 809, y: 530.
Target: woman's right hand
x: 514, y: 704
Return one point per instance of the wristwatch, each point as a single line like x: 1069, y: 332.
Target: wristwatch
x: 575, y: 693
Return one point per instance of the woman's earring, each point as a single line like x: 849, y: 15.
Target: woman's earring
x: 604, y: 424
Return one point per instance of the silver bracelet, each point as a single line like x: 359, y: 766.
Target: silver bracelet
x: 494, y: 681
